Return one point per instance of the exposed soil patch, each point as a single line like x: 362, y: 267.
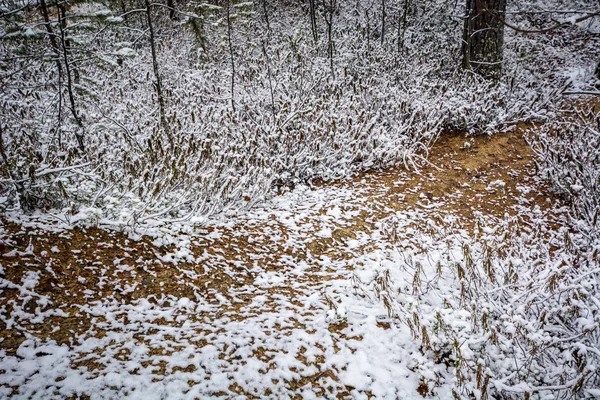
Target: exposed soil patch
x: 466, y: 177
x: 239, y: 273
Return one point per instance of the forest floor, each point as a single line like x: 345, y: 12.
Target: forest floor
x: 265, y: 304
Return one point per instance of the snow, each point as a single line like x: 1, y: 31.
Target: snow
x: 126, y: 52
x: 332, y: 294
x: 252, y: 334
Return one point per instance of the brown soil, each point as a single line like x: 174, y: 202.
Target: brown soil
x: 458, y: 181
x: 458, y: 176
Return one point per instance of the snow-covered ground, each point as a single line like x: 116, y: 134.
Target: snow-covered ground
x: 375, y: 286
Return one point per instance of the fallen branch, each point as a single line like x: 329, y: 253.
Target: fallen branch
x: 590, y: 93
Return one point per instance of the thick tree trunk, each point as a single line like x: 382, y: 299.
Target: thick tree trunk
x: 171, y: 6
x: 483, y: 37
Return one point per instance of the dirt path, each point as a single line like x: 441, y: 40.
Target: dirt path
x: 250, y: 306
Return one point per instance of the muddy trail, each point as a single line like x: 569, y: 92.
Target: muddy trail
x: 247, y: 307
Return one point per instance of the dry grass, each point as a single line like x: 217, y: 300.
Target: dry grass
x: 457, y: 183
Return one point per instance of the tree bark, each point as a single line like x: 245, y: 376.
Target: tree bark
x: 266, y: 12
x: 158, y: 83
x: 171, y: 5
x: 383, y: 15
x: 56, y: 49
x: 483, y: 37
x: 402, y: 26
x: 328, y: 13
x: 51, y: 36
x: 231, y: 55
x: 25, y: 201
x: 80, y: 134
x: 313, y: 20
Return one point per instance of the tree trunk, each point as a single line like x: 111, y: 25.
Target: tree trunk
x: 266, y: 12
x: 25, y: 201
x: 65, y: 43
x: 483, y: 37
x: 56, y: 49
x: 158, y: 83
x: 51, y: 36
x: 172, y: 15
x: 402, y: 26
x: 313, y: 20
x: 231, y: 55
x: 383, y: 15
x: 328, y: 13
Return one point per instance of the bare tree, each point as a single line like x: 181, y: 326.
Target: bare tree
x: 25, y: 201
x: 57, y: 52
x: 158, y: 80
x: 328, y: 13
x: 65, y: 43
x: 383, y: 15
x: 266, y: 13
x: 231, y: 57
x: 402, y: 25
x: 313, y: 20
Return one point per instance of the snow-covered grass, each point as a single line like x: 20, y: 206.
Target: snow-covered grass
x: 295, y: 119
x: 568, y: 156
x: 294, y: 295
x: 351, y: 289
x: 510, y: 311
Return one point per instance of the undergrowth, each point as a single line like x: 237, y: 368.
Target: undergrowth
x: 513, y: 309
x: 510, y: 312
x: 288, y: 112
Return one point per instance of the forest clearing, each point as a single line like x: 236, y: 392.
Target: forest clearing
x: 313, y: 199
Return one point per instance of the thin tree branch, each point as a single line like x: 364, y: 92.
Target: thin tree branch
x: 545, y: 30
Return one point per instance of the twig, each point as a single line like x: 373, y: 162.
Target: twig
x: 584, y: 92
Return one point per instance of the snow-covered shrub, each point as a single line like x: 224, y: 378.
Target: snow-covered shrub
x: 569, y: 157
x: 509, y: 312
x: 385, y: 94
